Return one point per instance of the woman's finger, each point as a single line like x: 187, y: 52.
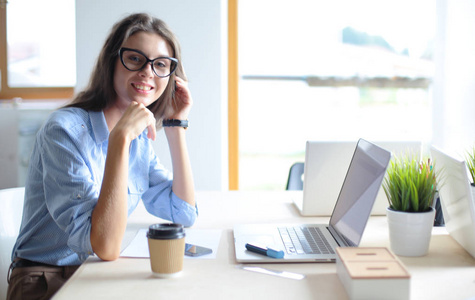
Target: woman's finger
x: 152, y: 132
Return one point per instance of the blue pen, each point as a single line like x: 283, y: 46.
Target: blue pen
x: 265, y: 251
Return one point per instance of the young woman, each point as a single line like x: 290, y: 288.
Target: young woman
x: 93, y: 160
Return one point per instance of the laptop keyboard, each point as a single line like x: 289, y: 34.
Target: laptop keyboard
x: 305, y: 240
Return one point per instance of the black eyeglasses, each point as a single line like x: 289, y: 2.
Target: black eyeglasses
x: 135, y: 60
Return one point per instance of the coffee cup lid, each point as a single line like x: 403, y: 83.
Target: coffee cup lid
x: 166, y: 231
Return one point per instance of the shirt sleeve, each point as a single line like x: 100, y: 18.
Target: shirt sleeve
x: 70, y: 188
x: 159, y: 199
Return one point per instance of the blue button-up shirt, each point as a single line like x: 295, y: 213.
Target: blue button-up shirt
x: 64, y: 181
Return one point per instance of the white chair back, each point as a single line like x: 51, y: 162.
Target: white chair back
x: 11, y: 210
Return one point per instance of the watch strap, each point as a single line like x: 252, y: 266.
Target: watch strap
x: 175, y: 123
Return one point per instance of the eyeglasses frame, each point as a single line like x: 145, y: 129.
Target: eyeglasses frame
x: 148, y: 60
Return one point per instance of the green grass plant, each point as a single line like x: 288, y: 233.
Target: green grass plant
x: 470, y: 160
x: 410, y: 185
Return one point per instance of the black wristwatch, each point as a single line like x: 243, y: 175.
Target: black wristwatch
x: 175, y: 123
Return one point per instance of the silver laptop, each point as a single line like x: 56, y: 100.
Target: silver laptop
x: 456, y: 199
x: 347, y: 223
x: 326, y: 163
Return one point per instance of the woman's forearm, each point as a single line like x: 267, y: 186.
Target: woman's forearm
x: 183, y: 185
x: 109, y: 218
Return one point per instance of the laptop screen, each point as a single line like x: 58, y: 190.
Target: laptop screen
x: 358, y: 193
x: 456, y: 198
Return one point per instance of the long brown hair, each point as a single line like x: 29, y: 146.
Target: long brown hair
x: 100, y: 91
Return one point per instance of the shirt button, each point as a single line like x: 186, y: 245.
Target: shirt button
x: 83, y: 126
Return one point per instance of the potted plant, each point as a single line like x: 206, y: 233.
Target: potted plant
x: 470, y: 160
x: 410, y: 187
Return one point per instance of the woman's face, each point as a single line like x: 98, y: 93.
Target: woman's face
x: 142, y: 86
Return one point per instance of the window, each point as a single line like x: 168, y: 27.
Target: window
x: 329, y: 70
x: 38, y: 57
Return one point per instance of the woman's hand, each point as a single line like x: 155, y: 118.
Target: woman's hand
x: 182, y: 101
x: 134, y: 120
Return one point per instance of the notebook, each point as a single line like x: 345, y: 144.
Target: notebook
x: 347, y: 223
x: 456, y: 199
x: 326, y: 163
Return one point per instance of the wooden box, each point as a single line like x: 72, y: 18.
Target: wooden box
x: 372, y: 273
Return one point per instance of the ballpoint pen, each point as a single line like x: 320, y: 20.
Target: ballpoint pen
x: 267, y: 251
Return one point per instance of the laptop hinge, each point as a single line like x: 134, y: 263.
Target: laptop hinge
x: 341, y: 240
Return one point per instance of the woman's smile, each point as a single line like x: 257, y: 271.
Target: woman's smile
x: 142, y: 87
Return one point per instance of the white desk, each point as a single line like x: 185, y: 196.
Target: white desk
x: 447, y: 272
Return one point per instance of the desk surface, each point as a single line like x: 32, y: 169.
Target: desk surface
x: 447, y: 272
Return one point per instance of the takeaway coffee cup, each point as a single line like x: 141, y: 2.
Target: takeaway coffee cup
x: 166, y: 243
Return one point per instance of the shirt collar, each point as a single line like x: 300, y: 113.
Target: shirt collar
x: 99, y: 126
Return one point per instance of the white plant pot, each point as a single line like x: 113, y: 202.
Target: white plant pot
x: 409, y: 232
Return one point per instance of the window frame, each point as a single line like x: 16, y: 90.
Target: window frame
x: 7, y: 92
x: 233, y: 105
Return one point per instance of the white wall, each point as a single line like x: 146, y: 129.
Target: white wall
x: 454, y: 83
x: 201, y: 27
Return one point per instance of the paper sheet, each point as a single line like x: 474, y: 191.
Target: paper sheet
x: 284, y: 274
x: 208, y: 238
